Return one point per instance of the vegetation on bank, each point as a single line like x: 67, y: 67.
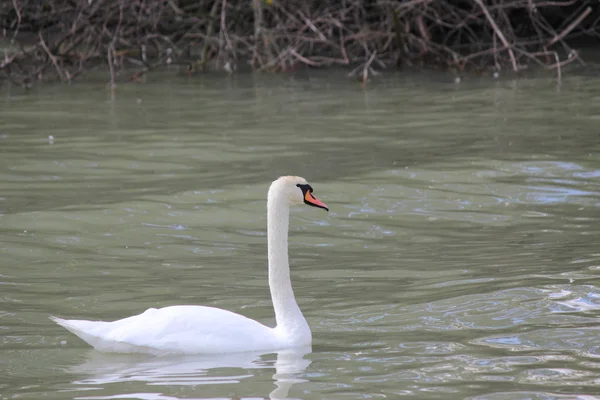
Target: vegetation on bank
x: 130, y: 38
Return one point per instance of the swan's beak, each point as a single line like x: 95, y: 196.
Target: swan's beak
x: 313, y: 201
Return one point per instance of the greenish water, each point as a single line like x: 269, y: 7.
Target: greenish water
x: 460, y: 258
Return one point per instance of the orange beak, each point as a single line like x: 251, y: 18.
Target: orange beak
x: 313, y: 201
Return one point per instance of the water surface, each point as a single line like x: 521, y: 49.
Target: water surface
x: 459, y: 259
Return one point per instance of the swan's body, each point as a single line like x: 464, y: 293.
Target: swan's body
x: 198, y: 329
x: 178, y: 330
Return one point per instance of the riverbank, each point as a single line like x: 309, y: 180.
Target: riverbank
x: 63, y: 40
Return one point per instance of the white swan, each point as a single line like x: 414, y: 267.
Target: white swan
x: 197, y: 329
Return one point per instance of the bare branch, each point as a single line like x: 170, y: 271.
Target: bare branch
x: 571, y: 26
x: 51, y: 56
x: 145, y: 35
x: 499, y: 34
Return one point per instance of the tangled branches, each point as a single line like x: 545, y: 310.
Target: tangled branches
x: 65, y: 38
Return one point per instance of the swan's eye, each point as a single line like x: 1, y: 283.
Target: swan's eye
x: 305, y: 188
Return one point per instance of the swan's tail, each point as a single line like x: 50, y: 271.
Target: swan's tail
x: 89, y: 331
x: 78, y: 326
x: 97, y: 335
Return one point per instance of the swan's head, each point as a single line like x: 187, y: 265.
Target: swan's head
x: 296, y: 191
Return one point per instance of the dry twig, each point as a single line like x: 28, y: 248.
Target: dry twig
x: 78, y: 35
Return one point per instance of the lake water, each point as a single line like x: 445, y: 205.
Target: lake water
x: 460, y: 258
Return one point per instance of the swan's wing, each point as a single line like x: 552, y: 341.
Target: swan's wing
x: 176, y: 329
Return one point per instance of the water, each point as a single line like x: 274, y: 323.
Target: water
x: 459, y: 259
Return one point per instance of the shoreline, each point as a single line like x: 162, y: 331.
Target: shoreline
x: 64, y: 40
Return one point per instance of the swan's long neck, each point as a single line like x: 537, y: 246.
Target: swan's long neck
x: 287, y: 313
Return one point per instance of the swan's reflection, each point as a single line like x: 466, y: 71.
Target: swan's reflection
x: 101, y: 368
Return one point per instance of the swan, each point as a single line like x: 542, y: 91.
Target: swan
x: 189, y: 329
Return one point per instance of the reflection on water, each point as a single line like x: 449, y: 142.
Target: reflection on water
x: 103, y: 370
x: 459, y: 258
